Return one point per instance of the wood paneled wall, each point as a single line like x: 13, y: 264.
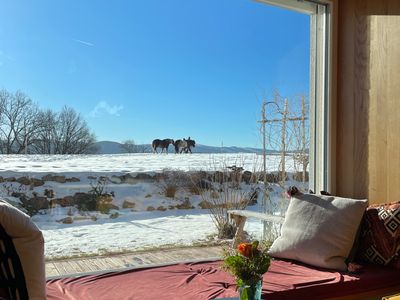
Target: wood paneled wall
x: 368, y: 100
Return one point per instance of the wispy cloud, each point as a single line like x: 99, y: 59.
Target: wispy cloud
x: 103, y: 107
x: 84, y: 42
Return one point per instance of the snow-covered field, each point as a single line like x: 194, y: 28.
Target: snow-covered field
x: 131, y: 163
x: 133, y: 229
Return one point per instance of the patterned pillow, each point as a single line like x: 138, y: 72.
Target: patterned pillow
x: 380, y: 235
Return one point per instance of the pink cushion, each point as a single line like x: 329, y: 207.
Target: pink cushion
x: 207, y: 280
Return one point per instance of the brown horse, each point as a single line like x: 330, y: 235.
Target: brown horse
x: 163, y: 144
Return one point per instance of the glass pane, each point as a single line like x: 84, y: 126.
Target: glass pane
x: 94, y: 94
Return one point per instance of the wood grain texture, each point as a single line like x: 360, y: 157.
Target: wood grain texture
x: 393, y: 102
x: 368, y: 100
x: 344, y: 104
x: 361, y: 74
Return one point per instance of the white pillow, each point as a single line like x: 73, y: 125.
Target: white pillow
x: 319, y: 230
x: 29, y: 244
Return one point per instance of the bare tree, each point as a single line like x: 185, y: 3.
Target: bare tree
x: 24, y: 128
x: 72, y: 134
x: 143, y: 148
x: 18, y: 122
x: 4, y: 98
x: 287, y: 130
x: 301, y: 140
x: 28, y: 130
x: 45, y: 136
x: 129, y: 146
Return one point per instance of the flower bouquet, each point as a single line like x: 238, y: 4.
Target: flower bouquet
x: 248, y: 263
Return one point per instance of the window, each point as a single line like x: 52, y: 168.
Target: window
x: 320, y: 79
x: 142, y: 70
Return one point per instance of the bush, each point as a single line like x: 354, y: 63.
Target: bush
x: 170, y: 182
x: 186, y: 204
x: 197, y: 182
x: 85, y: 201
x: 97, y: 198
x: 170, y: 191
x: 223, y: 193
x: 103, y: 203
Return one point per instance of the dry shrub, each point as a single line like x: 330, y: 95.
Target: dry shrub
x: 170, y: 182
x: 103, y: 203
x: 194, y: 190
x: 186, y: 204
x: 170, y: 191
x: 196, y: 182
x: 214, y: 194
x: 223, y: 192
x: 298, y: 176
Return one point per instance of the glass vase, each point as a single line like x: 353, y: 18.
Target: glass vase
x: 251, y: 292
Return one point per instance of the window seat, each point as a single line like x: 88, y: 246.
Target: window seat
x: 206, y: 280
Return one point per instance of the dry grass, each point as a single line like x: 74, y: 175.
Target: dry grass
x: 170, y: 183
x: 170, y: 191
x: 221, y: 197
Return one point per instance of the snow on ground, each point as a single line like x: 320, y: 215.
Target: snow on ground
x: 131, y: 163
x: 134, y: 229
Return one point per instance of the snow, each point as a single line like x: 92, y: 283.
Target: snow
x: 131, y: 163
x: 133, y: 229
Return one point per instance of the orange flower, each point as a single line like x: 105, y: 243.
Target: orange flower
x: 246, y: 249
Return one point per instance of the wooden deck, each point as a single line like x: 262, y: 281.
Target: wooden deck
x: 80, y: 266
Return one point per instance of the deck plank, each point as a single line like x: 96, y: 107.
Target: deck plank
x: 128, y: 260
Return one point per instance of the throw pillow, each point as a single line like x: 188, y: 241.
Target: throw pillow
x: 319, y: 230
x: 380, y: 235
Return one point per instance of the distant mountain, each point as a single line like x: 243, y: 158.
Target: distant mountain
x: 109, y: 147
x: 233, y: 149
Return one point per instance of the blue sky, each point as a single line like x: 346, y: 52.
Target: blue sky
x: 156, y: 69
